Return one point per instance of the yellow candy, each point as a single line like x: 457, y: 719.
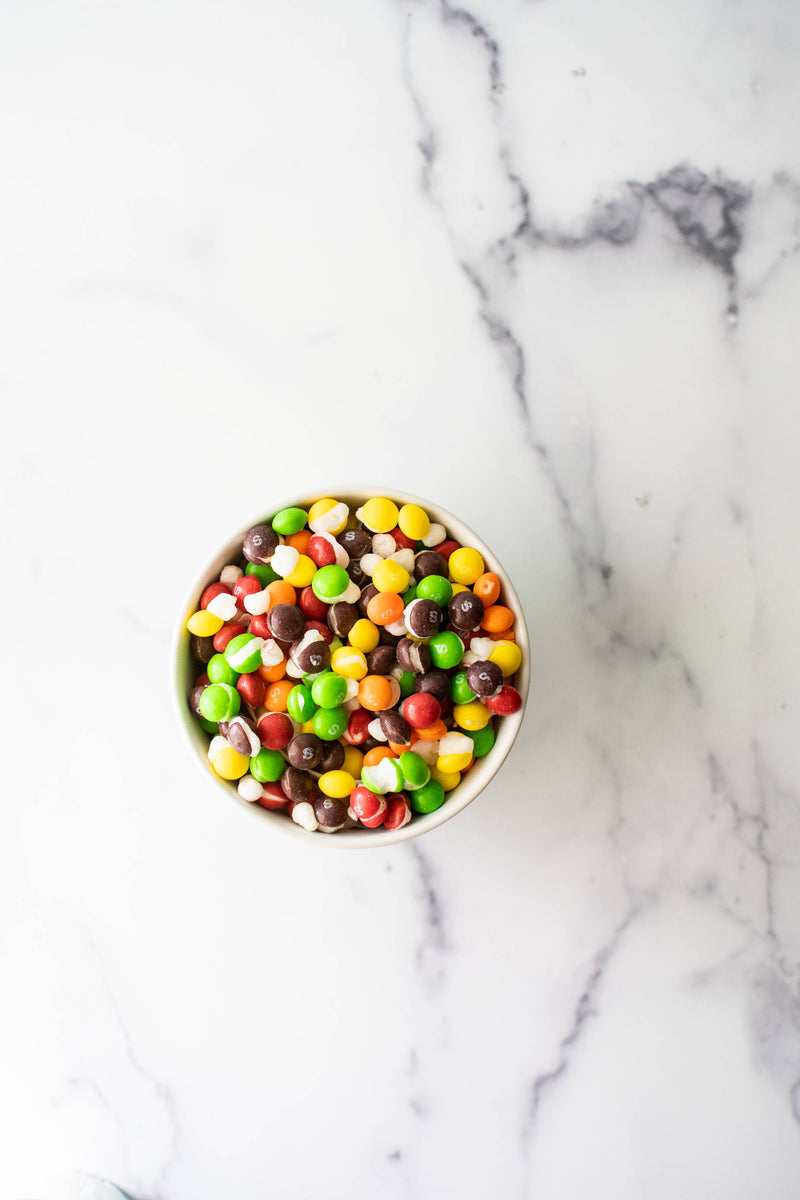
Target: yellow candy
x: 389, y: 576
x: 336, y: 783
x: 350, y: 662
x: 508, y: 657
x: 413, y: 521
x: 379, y: 515
x: 303, y: 573
x: 465, y: 565
x: 307, y: 727
x: 320, y: 507
x: 204, y: 624
x: 459, y: 587
x: 473, y: 715
x: 448, y: 779
x: 229, y: 764
x: 364, y: 636
x: 353, y: 758
x: 450, y: 764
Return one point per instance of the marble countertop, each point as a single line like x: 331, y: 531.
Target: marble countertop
x: 534, y: 260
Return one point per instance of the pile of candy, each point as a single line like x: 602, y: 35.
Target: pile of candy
x: 353, y: 664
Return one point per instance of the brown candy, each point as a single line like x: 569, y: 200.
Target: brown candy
x: 202, y: 648
x: 297, y: 785
x: 396, y: 727
x: 423, y: 618
x: 412, y: 656
x: 332, y: 757
x: 465, y: 611
x: 286, y: 622
x: 366, y: 595
x: 381, y: 660
x: 356, y: 542
x: 331, y: 814
x: 194, y: 697
x: 341, y: 618
x: 260, y: 543
x: 436, y: 682
x: 429, y: 562
x: 311, y: 658
x: 304, y: 751
x: 485, y: 678
x: 243, y: 736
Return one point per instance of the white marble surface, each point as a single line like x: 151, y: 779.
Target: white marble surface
x: 537, y: 261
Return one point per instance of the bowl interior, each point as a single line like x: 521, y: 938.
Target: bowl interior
x: 186, y: 668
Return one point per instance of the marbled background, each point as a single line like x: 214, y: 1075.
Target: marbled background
x: 536, y: 260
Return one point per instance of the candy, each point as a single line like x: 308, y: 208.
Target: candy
x: 349, y: 662
x: 297, y: 785
x: 275, y: 730
x: 379, y: 514
x: 367, y: 806
x: 329, y: 723
x: 414, y: 522
x: 219, y: 670
x: 384, y: 608
x: 330, y: 584
x: 435, y: 681
x: 250, y: 789
x: 219, y: 702
x: 305, y: 751
x: 229, y: 764
x: 329, y: 690
x: 508, y: 657
x: 311, y: 606
x: 267, y: 765
x: 328, y: 516
x: 223, y: 606
x: 446, y: 650
x: 484, y: 677
x: 465, y: 565
x: 428, y: 562
x: 384, y: 776
x: 311, y: 654
x: 289, y: 521
x: 332, y: 757
x: 423, y: 618
x: 428, y: 798
x: 262, y: 571
x: 331, y: 814
x: 252, y: 688
x: 482, y: 740
x: 375, y: 692
x: 465, y: 611
x: 336, y: 783
x: 414, y: 769
x: 413, y: 656
x: 357, y: 731
x: 398, y: 812
x: 303, y: 815
x: 421, y: 710
x: 243, y: 653
x: 389, y: 576
x: 436, y: 588
x: 507, y: 701
x: 260, y: 543
x: 286, y: 622
x: 204, y: 624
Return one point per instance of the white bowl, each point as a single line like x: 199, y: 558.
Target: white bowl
x: 185, y: 670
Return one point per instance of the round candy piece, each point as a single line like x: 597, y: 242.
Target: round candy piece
x: 423, y: 618
x: 482, y: 740
x: 364, y: 636
x: 330, y: 813
x: 375, y: 692
x: 260, y: 543
x: 243, y: 653
x: 507, y: 701
x: 332, y: 757
x: 398, y: 811
x: 275, y: 730
x: 414, y: 522
x: 219, y: 702
x: 381, y: 660
x: 367, y: 806
x: 435, y: 681
x: 460, y: 691
x: 229, y: 764
x: 329, y: 690
x: 465, y: 565
x: 357, y: 731
x: 436, y: 588
x: 328, y: 516
x: 303, y: 573
x: 428, y: 562
x: 204, y: 623
x: 312, y: 607
x: 356, y: 542
x: 342, y: 617
x: 395, y: 727
x: 421, y: 710
x: 300, y: 703
x: 252, y: 688
x: 336, y: 783
x: 465, y: 611
x: 203, y: 647
x: 485, y: 678
x: 415, y: 770
x: 267, y: 766
x: 446, y: 649
x: 349, y: 662
x: 305, y: 751
x: 311, y: 654
x: 413, y: 656
x: 219, y: 670
x: 263, y: 572
x: 286, y: 622
x: 508, y: 657
x: 384, y: 776
x: 329, y: 723
x: 330, y: 584
x: 473, y: 715
x: 379, y: 514
x: 406, y: 682
x: 289, y: 521
x: 427, y: 798
x: 389, y: 576
x: 242, y: 735
x: 297, y: 785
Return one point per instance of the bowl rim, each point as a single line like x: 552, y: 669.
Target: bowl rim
x: 478, y: 778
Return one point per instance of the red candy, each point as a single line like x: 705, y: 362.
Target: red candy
x: 422, y: 710
x: 211, y: 592
x: 369, y: 808
x: 446, y: 548
x: 246, y: 585
x: 252, y: 689
x: 275, y: 729
x: 312, y: 606
x: 258, y: 626
x: 321, y: 629
x: 321, y: 551
x: 272, y: 796
x: 403, y: 542
x: 357, y: 730
x: 398, y: 811
x: 227, y: 634
x: 507, y: 701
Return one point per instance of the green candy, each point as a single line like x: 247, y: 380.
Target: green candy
x: 427, y: 798
x: 414, y: 769
x: 482, y: 739
x: 329, y: 723
x: 447, y: 650
x: 330, y: 582
x: 262, y: 571
x: 436, y: 588
x: 300, y: 704
x: 209, y: 726
x: 243, y: 653
x: 289, y: 521
x: 329, y: 690
x: 219, y: 670
x: 383, y: 777
x: 460, y: 691
x: 219, y: 702
x: 406, y: 681
x: 267, y: 766
x: 411, y: 594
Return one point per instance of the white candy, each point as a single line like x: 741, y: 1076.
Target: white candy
x: 303, y: 815
x: 271, y: 653
x: 383, y: 544
x: 429, y: 751
x: 216, y: 744
x: 353, y: 593
x: 375, y: 729
x: 397, y: 628
x: 369, y: 562
x: 435, y: 535
x: 483, y: 647
x: 330, y: 520
x: 469, y: 658
x: 456, y: 743
x: 405, y: 558
x: 240, y: 657
x: 360, y: 514
x: 257, y: 603
x: 223, y: 606
x: 284, y: 560
x: 293, y: 671
x: 352, y: 689
x: 230, y: 574
x: 250, y: 789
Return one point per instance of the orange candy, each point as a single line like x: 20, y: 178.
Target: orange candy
x: 487, y: 586
x: 277, y: 696
x: 375, y: 691
x: 503, y: 635
x: 497, y: 618
x: 385, y: 608
x: 300, y: 540
x: 377, y: 754
x: 273, y: 674
x: 281, y: 592
x: 432, y: 734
